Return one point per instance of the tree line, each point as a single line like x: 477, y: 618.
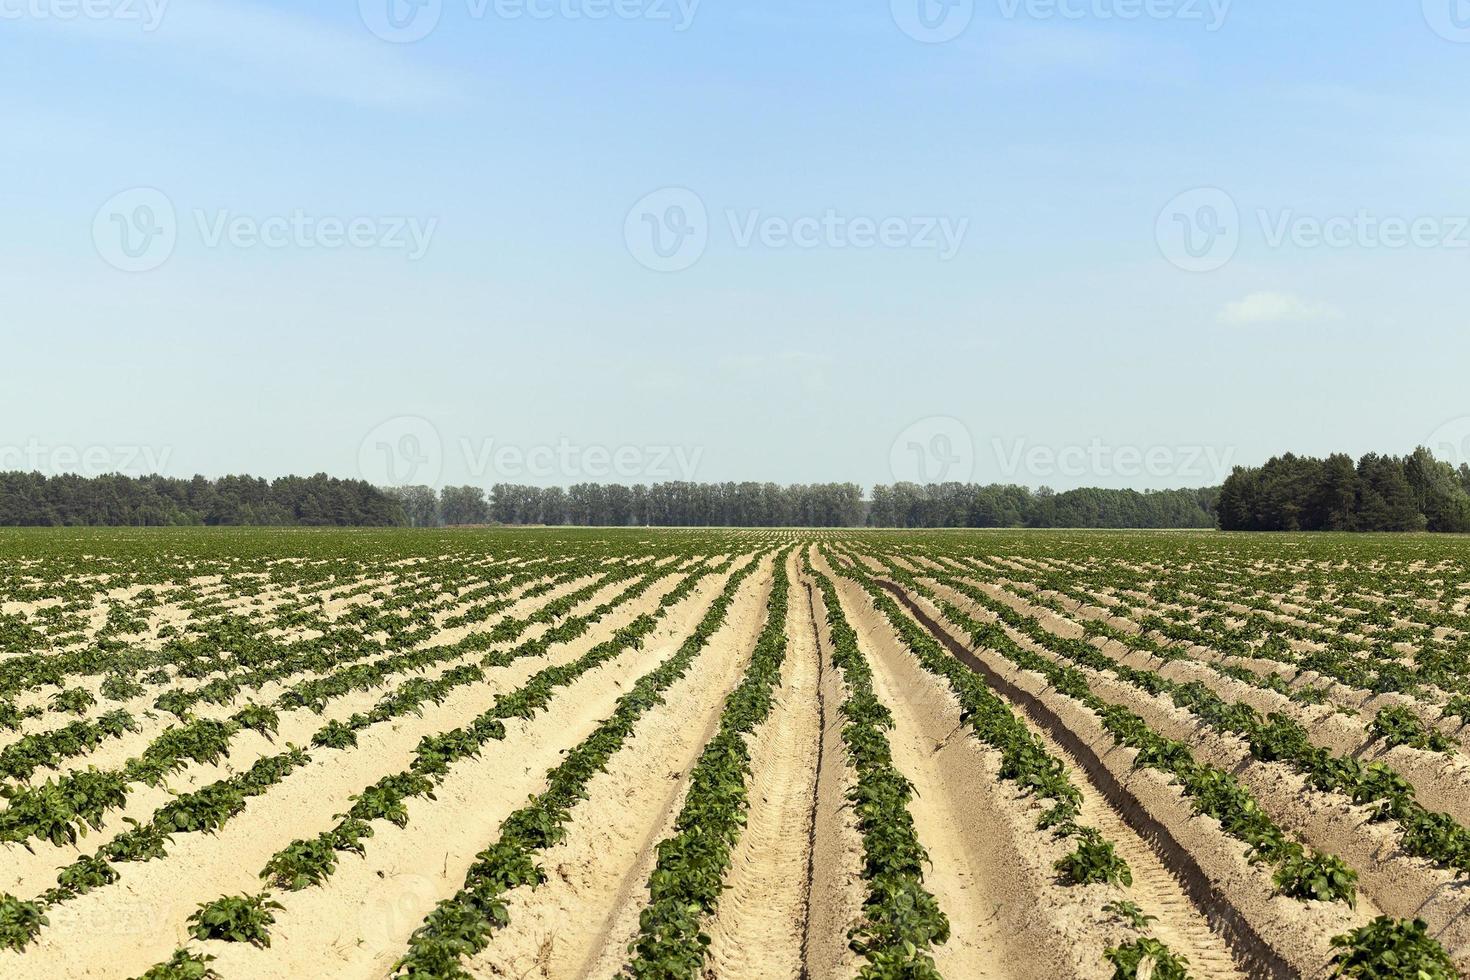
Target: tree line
x: 34, y: 500
x: 676, y: 504
x: 1377, y: 493
x: 997, y: 505
x: 1289, y: 493
x: 903, y: 505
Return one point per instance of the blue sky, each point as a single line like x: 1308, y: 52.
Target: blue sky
x: 885, y: 254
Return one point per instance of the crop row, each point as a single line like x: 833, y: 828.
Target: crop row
x: 901, y: 922
x: 1437, y: 837
x: 685, y: 885
x: 1025, y: 760
x: 61, y: 810
x: 209, y: 808
x: 227, y: 643
x: 1216, y: 793
x: 311, y: 862
x: 461, y: 925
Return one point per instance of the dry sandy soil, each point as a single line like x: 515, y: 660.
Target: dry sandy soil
x: 798, y: 873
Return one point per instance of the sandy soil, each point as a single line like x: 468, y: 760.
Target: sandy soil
x: 760, y: 926
x: 989, y: 863
x: 1441, y: 781
x: 138, y: 921
x: 580, y: 922
x: 406, y: 870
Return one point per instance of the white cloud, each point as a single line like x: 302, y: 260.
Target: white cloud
x: 1264, y: 308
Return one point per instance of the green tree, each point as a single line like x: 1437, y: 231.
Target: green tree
x: 463, y: 505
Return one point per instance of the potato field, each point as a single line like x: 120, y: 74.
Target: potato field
x: 565, y: 753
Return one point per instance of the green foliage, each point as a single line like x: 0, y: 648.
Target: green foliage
x: 1400, y: 726
x: 1458, y: 707
x: 1317, y: 876
x: 145, y: 842
x: 120, y: 687
x: 1391, y: 949
x: 60, y: 811
x: 1129, y: 912
x: 686, y: 882
x: 1146, y: 959
x: 1382, y: 493
x: 335, y: 735
x: 204, y: 810
x: 303, y: 863
x: 85, y: 874
x: 258, y: 718
x: 461, y: 925
x: 20, y: 922
x: 76, y: 700
x: 235, y: 919
x: 183, y: 965
x: 1094, y: 862
x: 901, y: 920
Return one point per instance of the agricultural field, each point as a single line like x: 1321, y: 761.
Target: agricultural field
x: 733, y: 754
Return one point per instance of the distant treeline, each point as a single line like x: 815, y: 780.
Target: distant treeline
x: 816, y: 505
x: 1289, y: 493
x: 997, y: 505
x: 1377, y: 493
x: 30, y: 499
x: 676, y: 504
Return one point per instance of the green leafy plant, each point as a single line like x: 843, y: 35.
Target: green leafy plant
x: 1129, y: 912
x: 76, y: 700
x: 20, y: 922
x: 235, y: 919
x: 258, y: 718
x: 119, y: 687
x: 1318, y: 876
x: 335, y: 735
x: 1095, y: 861
x: 1398, y: 725
x: 1391, y: 949
x: 85, y: 874
x: 183, y: 965
x: 1146, y: 959
x: 302, y: 863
